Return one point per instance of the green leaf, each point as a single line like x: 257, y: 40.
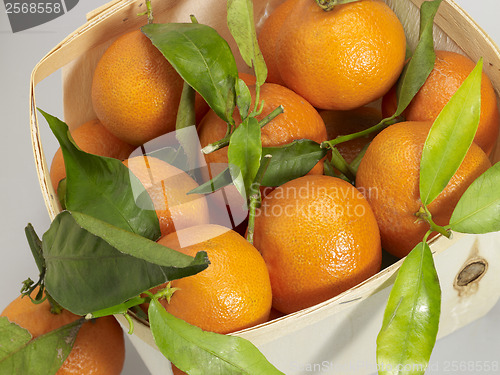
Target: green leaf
x: 35, y: 245
x: 12, y: 337
x: 102, y: 187
x: 200, y: 352
x: 121, y: 308
x: 478, y: 210
x: 223, y: 179
x: 92, y: 265
x: 61, y: 193
x: 243, y: 98
x: 186, y: 115
x: 419, y: 67
x: 240, y: 20
x: 244, y: 152
x: 291, y: 161
x: 357, y: 160
x: 202, y: 58
x: 41, y: 356
x: 450, y: 137
x: 411, y: 318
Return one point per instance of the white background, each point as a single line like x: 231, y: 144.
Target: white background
x: 21, y: 200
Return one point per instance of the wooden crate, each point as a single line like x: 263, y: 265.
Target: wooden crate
x: 337, y: 336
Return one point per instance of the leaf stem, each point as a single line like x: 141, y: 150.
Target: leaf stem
x: 55, y: 308
x: 424, y: 214
x: 221, y: 143
x: 271, y: 116
x: 328, y: 5
x: 193, y: 18
x: 255, y: 196
x: 166, y: 292
x: 130, y: 323
x: 348, y: 137
x: 339, y: 162
x: 149, y: 11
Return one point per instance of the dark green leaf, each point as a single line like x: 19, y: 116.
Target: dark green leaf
x: 291, y: 161
x: 102, y: 187
x: 240, y: 20
x: 330, y: 170
x: 421, y: 63
x: 35, y: 245
x: 92, y: 265
x: 244, y: 152
x: 202, y: 58
x: 478, y: 210
x: 200, y: 352
x: 41, y: 356
x: 411, y: 317
x: 450, y: 137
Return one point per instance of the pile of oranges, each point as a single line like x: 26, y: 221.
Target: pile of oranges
x: 316, y: 236
x: 334, y: 73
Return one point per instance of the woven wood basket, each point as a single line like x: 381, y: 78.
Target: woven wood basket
x: 337, y: 336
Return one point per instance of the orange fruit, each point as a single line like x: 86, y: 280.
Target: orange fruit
x: 298, y: 121
x: 268, y: 36
x: 318, y: 237
x: 93, y: 138
x: 249, y: 79
x: 340, y: 123
x: 233, y: 293
x: 99, y: 347
x: 389, y: 174
x: 168, y: 187
x: 135, y: 91
x: 450, y: 70
x: 344, y: 58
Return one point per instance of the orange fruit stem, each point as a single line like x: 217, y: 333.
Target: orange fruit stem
x: 212, y: 147
x: 328, y: 5
x: 255, y: 196
x: 424, y: 214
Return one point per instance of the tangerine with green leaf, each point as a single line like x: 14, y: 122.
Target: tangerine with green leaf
x: 299, y: 120
x: 389, y: 175
x: 233, y: 293
x: 99, y: 347
x: 449, y: 72
x: 94, y: 138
